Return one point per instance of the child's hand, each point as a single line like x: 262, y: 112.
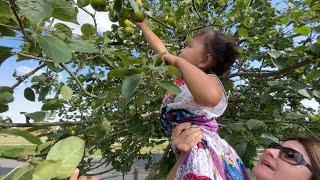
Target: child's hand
x: 171, y: 59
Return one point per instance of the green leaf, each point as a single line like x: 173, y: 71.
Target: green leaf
x: 280, y: 63
x: 173, y: 70
x: 241, y: 149
x: 83, y: 3
x: 46, y: 170
x: 4, y: 10
x: 82, y: 46
x: 6, y: 89
x: 52, y: 104
x: 254, y: 124
x: 4, y: 108
x: 88, y: 30
x: 5, y: 53
x: 243, y: 32
x: 316, y: 93
x: 130, y: 84
x: 313, y: 75
x: 29, y: 94
x: 69, y: 151
x: 304, y: 93
x: 6, y: 98
x: 37, y: 116
x: 56, y: 49
x: 134, y: 6
x: 169, y: 87
x: 62, y: 28
x: 25, y: 134
x: 315, y: 48
x: 45, y: 145
x: 117, y: 6
x: 23, y: 173
x: 295, y: 115
x: 268, y: 139
x: 66, y: 92
x: 274, y: 54
x: 303, y: 30
x: 35, y: 10
x: 64, y: 11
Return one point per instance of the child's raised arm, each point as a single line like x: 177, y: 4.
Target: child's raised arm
x: 205, y: 90
x: 154, y: 41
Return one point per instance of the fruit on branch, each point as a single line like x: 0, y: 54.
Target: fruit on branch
x: 138, y: 16
x: 98, y: 5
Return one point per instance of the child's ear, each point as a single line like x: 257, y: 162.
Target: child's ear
x: 206, y: 62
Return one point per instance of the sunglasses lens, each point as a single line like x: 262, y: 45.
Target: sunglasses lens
x: 290, y: 155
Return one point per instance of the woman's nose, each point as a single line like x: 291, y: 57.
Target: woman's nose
x: 272, y: 152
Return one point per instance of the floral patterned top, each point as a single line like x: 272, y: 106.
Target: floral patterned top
x: 212, y: 158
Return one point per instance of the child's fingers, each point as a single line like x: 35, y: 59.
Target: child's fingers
x: 74, y: 175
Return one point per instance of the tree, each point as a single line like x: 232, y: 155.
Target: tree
x: 116, y: 83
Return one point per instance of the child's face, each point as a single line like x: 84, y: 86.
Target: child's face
x: 194, y: 52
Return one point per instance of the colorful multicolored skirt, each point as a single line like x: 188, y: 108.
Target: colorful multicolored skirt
x: 212, y: 158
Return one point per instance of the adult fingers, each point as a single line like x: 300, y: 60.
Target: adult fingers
x: 74, y: 175
x: 94, y: 178
x: 188, y: 133
x: 177, y: 130
x: 83, y: 178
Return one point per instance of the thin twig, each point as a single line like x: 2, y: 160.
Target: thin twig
x: 78, y: 82
x: 24, y: 77
x: 35, y: 57
x: 163, y: 24
x: 15, y: 12
x: 195, y: 9
x: 8, y: 26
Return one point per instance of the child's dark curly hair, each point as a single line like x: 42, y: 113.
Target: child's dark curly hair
x: 223, y: 50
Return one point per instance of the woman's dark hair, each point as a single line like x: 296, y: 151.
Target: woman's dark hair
x: 312, y: 147
x: 222, y: 50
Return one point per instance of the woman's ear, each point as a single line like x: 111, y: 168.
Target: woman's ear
x: 207, y: 62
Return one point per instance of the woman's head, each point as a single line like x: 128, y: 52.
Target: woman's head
x: 211, y: 51
x: 290, y: 161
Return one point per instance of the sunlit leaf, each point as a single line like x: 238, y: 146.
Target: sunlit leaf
x: 169, y: 87
x: 66, y: 92
x: 69, y: 151
x: 56, y: 49
x: 37, y: 116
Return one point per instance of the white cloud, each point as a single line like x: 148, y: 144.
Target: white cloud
x: 22, y: 70
x: 311, y: 104
x: 102, y: 19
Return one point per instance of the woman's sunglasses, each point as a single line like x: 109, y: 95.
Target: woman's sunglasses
x: 291, y: 156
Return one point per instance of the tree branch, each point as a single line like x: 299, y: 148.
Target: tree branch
x: 15, y: 12
x: 8, y: 26
x: 195, y: 9
x: 24, y: 77
x: 60, y: 123
x: 156, y: 20
x: 35, y: 57
x: 264, y: 74
x: 66, y: 123
x: 78, y: 82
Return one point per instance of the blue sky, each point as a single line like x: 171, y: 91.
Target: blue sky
x: 8, y: 67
